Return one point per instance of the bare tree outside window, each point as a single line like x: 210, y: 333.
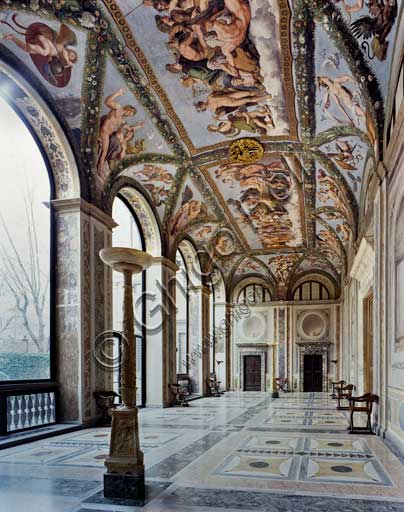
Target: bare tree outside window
x: 24, y: 253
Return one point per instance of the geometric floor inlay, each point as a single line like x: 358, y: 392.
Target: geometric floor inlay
x: 300, y: 458
x: 242, y: 451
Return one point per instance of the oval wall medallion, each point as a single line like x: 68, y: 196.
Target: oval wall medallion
x: 253, y: 326
x: 312, y: 325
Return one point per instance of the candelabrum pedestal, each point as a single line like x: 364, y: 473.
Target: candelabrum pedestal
x: 124, y: 477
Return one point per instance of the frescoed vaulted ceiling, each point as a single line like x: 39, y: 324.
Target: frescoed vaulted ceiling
x: 156, y: 91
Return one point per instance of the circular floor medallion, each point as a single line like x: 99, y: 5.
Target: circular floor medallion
x: 259, y: 464
x: 336, y: 445
x: 341, y: 469
x: 272, y: 442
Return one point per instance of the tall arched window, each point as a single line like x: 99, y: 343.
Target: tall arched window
x: 26, y: 293
x: 182, y: 303
x: 212, y: 323
x: 128, y: 233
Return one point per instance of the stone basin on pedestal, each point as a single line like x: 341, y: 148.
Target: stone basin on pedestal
x: 124, y: 477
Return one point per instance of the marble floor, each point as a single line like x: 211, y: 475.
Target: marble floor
x: 239, y: 452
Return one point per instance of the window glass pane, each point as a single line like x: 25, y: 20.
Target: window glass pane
x: 306, y: 291
x: 24, y: 253
x: 254, y: 294
x: 181, y: 298
x: 127, y: 234
x: 315, y: 291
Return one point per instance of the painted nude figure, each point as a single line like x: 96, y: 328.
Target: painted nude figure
x: 49, y: 50
x: 113, y: 124
x: 217, y: 101
x: 343, y: 98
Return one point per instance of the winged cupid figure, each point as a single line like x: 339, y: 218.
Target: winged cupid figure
x: 378, y: 25
x: 49, y: 50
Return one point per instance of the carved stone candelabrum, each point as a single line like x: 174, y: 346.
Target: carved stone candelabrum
x: 124, y: 477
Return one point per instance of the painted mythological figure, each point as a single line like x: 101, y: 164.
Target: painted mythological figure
x: 115, y: 134
x: 49, y: 50
x: 263, y: 200
x: 211, y: 43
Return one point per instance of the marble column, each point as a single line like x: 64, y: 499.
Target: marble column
x: 125, y: 469
x: 83, y: 305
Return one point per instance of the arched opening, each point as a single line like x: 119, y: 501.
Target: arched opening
x: 182, y: 317
x: 311, y: 290
x: 254, y: 294
x: 196, y: 353
x: 212, y: 324
x: 27, y: 295
x: 252, y: 331
x: 26, y: 253
x: 129, y: 233
x: 220, y: 327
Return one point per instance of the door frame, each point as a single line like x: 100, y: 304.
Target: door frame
x: 322, y: 371
x: 245, y: 372
x: 368, y: 339
x: 263, y: 354
x: 313, y: 347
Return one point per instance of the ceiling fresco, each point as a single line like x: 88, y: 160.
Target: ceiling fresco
x: 156, y: 91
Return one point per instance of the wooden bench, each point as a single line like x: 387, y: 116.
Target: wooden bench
x: 105, y: 400
x: 336, y: 385
x: 214, y: 385
x: 282, y: 384
x: 344, y: 392
x: 365, y: 404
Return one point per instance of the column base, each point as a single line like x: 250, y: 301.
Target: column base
x: 124, y: 486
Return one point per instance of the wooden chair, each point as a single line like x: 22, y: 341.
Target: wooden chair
x: 214, y: 385
x: 106, y: 402
x: 180, y: 397
x: 336, y: 385
x: 181, y: 389
x: 367, y: 400
x: 282, y: 384
x: 344, y: 392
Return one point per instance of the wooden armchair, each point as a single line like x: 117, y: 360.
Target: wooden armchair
x: 344, y: 392
x: 335, y: 386
x: 282, y: 384
x: 365, y: 404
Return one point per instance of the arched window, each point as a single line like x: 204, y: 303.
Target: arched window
x: 254, y: 294
x: 311, y: 290
x: 128, y: 233
x: 26, y: 253
x: 182, y: 303
x: 212, y: 323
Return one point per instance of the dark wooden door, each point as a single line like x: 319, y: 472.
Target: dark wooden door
x: 313, y: 372
x: 252, y: 373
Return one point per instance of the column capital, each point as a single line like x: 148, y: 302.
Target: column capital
x: 165, y: 262
x: 78, y: 204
